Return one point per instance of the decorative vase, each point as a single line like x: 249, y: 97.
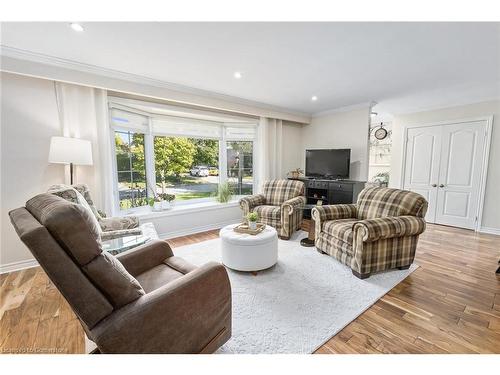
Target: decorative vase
x: 252, y: 225
x: 165, y: 205
x: 157, y: 206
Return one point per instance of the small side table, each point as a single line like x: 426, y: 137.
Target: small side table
x: 309, y: 240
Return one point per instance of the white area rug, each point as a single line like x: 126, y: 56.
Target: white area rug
x: 297, y: 305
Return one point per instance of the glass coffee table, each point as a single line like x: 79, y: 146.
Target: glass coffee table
x: 119, y: 245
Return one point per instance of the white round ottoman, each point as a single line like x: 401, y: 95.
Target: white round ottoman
x: 245, y: 252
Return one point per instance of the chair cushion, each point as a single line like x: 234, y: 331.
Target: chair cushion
x: 278, y: 191
x: 68, y: 192
x: 171, y: 269
x: 269, y: 212
x: 113, y: 279
x: 340, y: 229
x: 71, y: 194
x: 382, y: 202
x: 72, y: 225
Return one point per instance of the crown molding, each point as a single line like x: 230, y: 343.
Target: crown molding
x: 455, y: 104
x: 99, y: 77
x: 347, y: 108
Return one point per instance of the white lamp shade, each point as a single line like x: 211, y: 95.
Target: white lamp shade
x: 65, y: 150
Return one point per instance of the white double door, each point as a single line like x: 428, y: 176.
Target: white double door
x: 444, y: 164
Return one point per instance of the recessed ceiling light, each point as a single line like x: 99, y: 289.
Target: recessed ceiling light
x: 237, y: 75
x: 76, y: 26
x: 314, y: 98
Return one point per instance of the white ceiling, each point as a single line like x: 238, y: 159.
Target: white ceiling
x: 402, y: 66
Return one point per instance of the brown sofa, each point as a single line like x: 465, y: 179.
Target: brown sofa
x: 145, y: 300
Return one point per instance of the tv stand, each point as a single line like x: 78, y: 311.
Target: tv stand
x: 331, y: 191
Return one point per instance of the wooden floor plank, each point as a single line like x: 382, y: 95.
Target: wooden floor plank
x: 451, y: 304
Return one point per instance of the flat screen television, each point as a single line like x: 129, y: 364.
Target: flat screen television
x: 328, y: 163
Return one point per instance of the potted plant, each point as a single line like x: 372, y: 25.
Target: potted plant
x: 224, y: 193
x: 155, y: 203
x: 252, y: 218
x: 166, y: 200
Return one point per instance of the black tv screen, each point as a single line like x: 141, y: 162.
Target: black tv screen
x: 328, y: 163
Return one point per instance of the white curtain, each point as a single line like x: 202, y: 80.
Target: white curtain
x: 269, y: 150
x: 83, y: 113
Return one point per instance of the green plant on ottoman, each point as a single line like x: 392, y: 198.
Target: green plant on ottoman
x: 252, y: 218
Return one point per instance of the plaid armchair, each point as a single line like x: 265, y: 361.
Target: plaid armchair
x: 112, y: 227
x: 277, y: 206
x: 378, y: 233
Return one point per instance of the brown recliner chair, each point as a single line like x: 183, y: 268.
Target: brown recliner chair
x: 145, y: 300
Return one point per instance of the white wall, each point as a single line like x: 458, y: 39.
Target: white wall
x: 491, y: 213
x: 292, y: 147
x: 28, y: 119
x: 42, y: 66
x: 347, y: 129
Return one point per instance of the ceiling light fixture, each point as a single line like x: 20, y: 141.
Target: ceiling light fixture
x: 76, y: 26
x: 237, y: 75
x: 314, y: 98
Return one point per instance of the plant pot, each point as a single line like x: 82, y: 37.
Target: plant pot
x: 252, y: 225
x: 157, y: 206
x: 165, y: 205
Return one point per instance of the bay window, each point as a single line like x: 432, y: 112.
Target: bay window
x: 186, y: 167
x: 131, y: 169
x: 240, y: 166
x: 187, y: 157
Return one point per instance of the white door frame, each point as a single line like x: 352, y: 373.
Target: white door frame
x: 486, y: 155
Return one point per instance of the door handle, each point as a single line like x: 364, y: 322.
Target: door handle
x: 433, y: 185
x: 441, y: 186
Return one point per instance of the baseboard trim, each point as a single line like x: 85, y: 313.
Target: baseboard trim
x: 490, y: 230
x: 17, y: 266
x: 193, y: 230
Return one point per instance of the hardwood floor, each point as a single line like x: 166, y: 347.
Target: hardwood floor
x: 451, y: 304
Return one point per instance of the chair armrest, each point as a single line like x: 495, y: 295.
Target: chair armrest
x: 247, y: 203
x: 289, y: 205
x: 119, y: 223
x: 180, y: 317
x: 388, y: 227
x: 335, y: 212
x: 120, y: 233
x: 320, y: 214
x: 145, y: 257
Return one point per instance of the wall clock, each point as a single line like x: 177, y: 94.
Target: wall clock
x: 380, y: 133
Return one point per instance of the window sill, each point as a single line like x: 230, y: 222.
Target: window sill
x: 146, y: 213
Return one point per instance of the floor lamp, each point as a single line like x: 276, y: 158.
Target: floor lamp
x: 72, y: 151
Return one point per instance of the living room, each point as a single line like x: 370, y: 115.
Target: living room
x: 248, y: 188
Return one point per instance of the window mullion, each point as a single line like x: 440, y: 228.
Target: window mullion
x: 223, y: 158
x: 149, y: 158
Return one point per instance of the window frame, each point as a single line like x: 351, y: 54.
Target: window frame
x: 149, y: 135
